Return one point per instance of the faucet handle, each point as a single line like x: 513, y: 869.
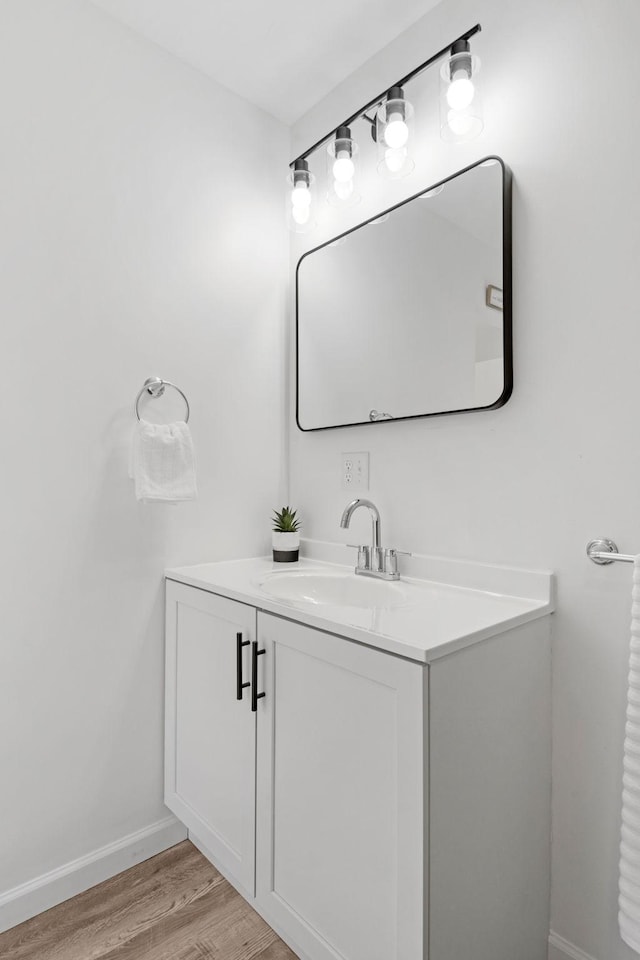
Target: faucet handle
x: 391, y: 559
x: 364, y: 556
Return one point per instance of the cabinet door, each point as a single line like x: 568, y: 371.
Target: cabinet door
x: 340, y: 796
x: 210, y: 735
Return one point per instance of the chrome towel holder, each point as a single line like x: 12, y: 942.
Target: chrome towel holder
x: 606, y: 551
x: 154, y: 386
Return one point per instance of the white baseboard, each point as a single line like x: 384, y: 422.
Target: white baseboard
x: 26, y: 901
x: 29, y: 899
x: 561, y: 949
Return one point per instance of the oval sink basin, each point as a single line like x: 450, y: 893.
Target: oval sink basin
x: 338, y: 590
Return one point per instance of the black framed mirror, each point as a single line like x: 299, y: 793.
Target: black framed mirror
x: 409, y: 314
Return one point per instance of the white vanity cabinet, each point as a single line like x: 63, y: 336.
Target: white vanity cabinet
x: 340, y: 795
x: 210, y: 735
x: 370, y: 806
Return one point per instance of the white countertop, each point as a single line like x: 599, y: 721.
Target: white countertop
x: 440, y: 614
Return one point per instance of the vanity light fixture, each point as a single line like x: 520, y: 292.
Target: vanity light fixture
x: 342, y: 168
x: 300, y: 212
x: 391, y: 129
x: 394, y: 123
x: 460, y: 107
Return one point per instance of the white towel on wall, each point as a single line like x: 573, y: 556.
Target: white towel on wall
x: 163, y: 462
x: 629, y: 884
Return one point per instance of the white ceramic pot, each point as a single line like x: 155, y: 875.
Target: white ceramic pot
x: 286, y: 547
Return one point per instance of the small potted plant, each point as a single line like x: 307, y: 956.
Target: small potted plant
x: 285, y: 538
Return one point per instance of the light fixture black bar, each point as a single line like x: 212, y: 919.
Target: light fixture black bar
x: 379, y: 99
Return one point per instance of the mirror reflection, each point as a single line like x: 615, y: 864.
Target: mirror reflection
x: 409, y: 313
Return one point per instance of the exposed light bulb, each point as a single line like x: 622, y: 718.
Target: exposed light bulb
x: 461, y: 91
x: 394, y: 124
x: 301, y: 214
x: 395, y: 159
x: 343, y: 167
x: 396, y: 132
x: 301, y: 196
x: 460, y: 99
x: 343, y: 189
x: 459, y: 123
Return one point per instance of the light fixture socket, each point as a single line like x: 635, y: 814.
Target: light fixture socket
x: 394, y: 135
x: 461, y: 50
x: 343, y: 136
x: 397, y: 93
x: 301, y: 174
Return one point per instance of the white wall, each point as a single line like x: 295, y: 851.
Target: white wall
x: 141, y: 233
x: 531, y: 483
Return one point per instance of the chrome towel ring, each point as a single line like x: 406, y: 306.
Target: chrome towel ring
x: 154, y: 386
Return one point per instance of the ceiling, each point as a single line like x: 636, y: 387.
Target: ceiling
x: 281, y: 55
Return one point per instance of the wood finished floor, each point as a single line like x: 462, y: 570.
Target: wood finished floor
x: 175, y: 906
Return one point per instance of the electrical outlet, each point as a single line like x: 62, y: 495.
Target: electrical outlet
x: 355, y: 471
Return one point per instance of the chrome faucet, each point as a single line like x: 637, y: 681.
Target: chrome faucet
x: 373, y: 561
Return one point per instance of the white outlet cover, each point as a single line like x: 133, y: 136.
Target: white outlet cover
x: 355, y: 471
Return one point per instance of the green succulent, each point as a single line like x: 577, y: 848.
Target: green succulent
x: 284, y: 521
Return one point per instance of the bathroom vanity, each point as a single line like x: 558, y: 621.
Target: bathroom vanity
x: 367, y: 763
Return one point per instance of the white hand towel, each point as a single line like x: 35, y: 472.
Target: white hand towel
x: 163, y: 462
x: 629, y: 883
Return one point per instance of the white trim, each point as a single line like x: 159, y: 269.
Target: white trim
x: 559, y: 949
x: 26, y: 901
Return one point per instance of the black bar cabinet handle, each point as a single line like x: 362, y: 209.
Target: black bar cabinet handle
x: 240, y: 643
x: 255, y: 696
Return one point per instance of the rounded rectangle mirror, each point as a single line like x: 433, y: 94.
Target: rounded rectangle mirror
x: 409, y: 314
